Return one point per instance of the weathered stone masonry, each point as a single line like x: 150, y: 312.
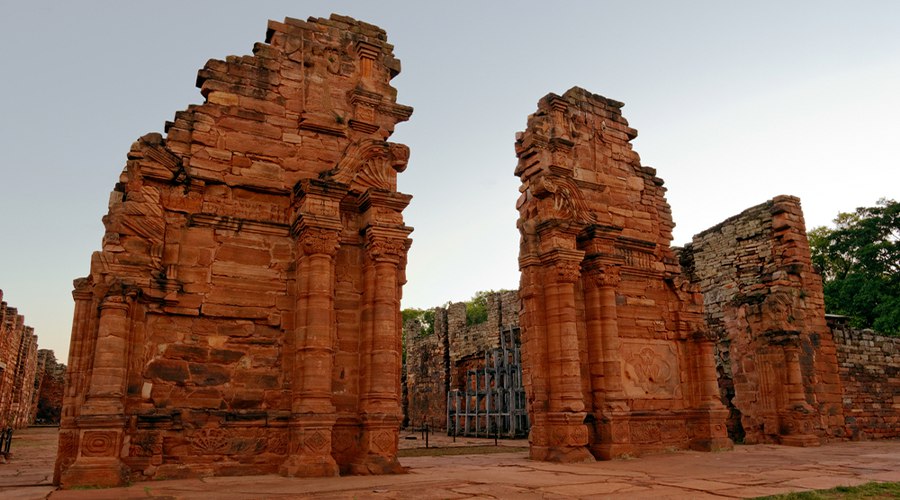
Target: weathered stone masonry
x: 438, y: 362
x: 869, y: 366
x: 615, y: 352
x: 765, y: 306
x: 20, y: 368
x: 785, y: 375
x: 243, y: 314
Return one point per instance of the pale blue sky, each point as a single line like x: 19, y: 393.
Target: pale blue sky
x: 735, y: 102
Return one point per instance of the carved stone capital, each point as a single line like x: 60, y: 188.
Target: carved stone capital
x: 605, y: 277
x: 84, y: 289
x: 314, y: 240
x: 567, y: 271
x: 386, y: 248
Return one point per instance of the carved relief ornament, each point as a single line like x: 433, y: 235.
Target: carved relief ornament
x: 606, y: 277
x: 567, y: 271
x: 386, y: 248
x: 314, y: 240
x: 370, y: 163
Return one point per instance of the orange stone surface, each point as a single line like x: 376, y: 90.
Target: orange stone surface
x: 616, y: 358
x: 778, y: 363
x: 243, y: 315
x: 20, y: 366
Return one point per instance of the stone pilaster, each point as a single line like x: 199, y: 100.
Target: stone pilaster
x: 101, y: 419
x: 380, y: 410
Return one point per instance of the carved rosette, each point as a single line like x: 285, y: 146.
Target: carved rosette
x: 384, y: 248
x: 99, y: 443
x: 315, y: 241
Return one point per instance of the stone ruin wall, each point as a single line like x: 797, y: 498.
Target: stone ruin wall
x: 52, y: 387
x: 20, y: 369
x: 437, y: 363
x: 614, y: 348
x: 243, y: 314
x: 776, y: 357
x: 869, y: 366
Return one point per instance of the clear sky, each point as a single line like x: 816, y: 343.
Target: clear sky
x: 735, y: 102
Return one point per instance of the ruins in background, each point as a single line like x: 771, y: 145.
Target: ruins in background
x: 781, y: 372
x: 475, y: 368
x: 21, y: 370
x: 616, y: 356
x: 243, y: 315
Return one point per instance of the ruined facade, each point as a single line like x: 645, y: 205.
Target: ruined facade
x: 615, y: 351
x: 20, y: 368
x: 440, y: 361
x: 764, y: 304
x: 243, y: 314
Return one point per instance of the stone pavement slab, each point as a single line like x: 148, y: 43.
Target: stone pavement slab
x: 746, y: 472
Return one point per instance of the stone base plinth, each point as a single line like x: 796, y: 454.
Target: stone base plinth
x: 101, y: 472
x: 376, y: 464
x: 800, y: 440
x: 309, y: 466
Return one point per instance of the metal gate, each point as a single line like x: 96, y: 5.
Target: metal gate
x: 493, y: 401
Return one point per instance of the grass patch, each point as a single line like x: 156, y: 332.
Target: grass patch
x: 459, y: 450
x: 868, y: 490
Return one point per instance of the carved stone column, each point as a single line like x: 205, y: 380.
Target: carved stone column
x: 101, y: 419
x: 567, y: 433
x: 610, y: 410
x: 798, y: 418
x: 313, y: 414
x: 380, y: 409
x: 707, y: 430
x: 81, y: 326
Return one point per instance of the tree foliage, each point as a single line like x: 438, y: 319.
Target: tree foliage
x: 859, y: 260
x: 476, y: 308
x: 425, y: 317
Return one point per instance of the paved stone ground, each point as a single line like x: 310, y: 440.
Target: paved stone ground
x: 747, y: 471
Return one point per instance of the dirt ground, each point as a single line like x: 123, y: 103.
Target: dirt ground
x: 746, y: 472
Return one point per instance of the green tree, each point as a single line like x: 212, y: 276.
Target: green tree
x: 425, y: 316
x: 859, y: 260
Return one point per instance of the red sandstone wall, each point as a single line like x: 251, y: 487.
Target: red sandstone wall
x: 19, y: 368
x: 613, y: 338
x: 764, y: 304
x: 869, y: 366
x: 243, y: 314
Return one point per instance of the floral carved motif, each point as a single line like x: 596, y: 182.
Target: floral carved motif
x: 315, y: 240
x: 568, y: 272
x: 650, y: 370
x: 385, y: 248
x: 210, y: 441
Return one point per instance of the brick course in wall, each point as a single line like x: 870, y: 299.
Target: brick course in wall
x: 869, y: 366
x: 765, y: 308
x: 20, y: 369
